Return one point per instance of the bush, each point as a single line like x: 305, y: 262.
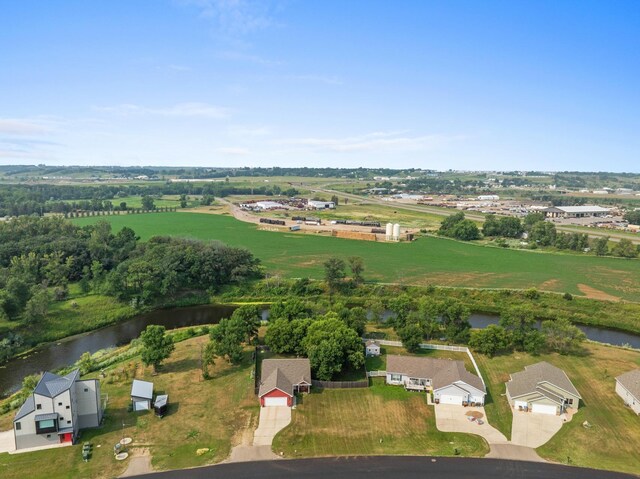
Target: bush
x: 567, y: 296
x: 532, y: 293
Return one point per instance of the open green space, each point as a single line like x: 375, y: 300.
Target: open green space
x: 428, y: 260
x: 203, y: 415
x: 378, y: 420
x: 613, y: 439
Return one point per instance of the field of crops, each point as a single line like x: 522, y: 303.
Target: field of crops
x: 425, y: 261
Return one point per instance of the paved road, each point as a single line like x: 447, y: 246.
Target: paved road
x: 388, y: 467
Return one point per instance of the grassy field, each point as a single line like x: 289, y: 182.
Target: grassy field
x: 379, y: 420
x: 202, y: 414
x: 613, y: 440
x: 426, y: 261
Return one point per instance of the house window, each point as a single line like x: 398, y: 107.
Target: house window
x: 396, y: 377
x: 38, y: 406
x: 59, y: 404
x: 569, y: 401
x: 18, y: 426
x: 47, y: 425
x: 68, y: 407
x: 68, y: 422
x: 86, y: 390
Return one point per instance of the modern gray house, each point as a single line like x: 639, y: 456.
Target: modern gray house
x: 58, y: 409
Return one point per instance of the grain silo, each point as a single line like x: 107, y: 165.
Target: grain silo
x: 396, y: 232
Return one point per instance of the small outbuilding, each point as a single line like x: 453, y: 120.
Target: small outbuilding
x: 160, y: 405
x: 628, y: 388
x: 141, y: 395
x: 372, y: 348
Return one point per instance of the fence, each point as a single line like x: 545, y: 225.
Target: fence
x: 376, y: 374
x: 442, y: 347
x: 339, y: 384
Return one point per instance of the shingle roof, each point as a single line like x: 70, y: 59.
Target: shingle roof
x: 142, y: 389
x: 631, y: 382
x: 51, y: 385
x: 442, y: 372
x: 528, y: 381
x: 371, y: 342
x: 283, y: 374
x: 27, y: 408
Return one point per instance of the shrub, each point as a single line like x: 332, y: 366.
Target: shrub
x: 567, y: 296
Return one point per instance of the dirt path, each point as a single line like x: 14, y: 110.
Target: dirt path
x: 593, y: 293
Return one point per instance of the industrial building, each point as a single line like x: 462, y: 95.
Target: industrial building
x: 321, y: 205
x: 575, y: 211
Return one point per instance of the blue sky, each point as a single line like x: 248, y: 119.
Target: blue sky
x: 549, y: 85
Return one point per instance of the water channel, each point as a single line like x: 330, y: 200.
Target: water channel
x: 56, y: 355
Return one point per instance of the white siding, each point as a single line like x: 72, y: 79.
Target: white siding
x: 544, y: 408
x: 628, y: 398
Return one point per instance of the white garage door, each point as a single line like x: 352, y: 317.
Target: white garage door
x: 275, y: 401
x: 140, y: 405
x: 544, y: 409
x: 449, y: 399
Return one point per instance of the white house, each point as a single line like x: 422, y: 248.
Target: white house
x: 141, y: 395
x: 58, y: 408
x: 449, y: 380
x: 372, y: 348
x: 628, y: 388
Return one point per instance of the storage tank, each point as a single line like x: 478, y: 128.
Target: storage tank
x: 389, y: 232
x: 396, y: 232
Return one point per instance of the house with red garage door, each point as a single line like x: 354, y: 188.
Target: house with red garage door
x: 281, y: 379
x: 58, y: 409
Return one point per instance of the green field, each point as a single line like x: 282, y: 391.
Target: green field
x: 426, y: 261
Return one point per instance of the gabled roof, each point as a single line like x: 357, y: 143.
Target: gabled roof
x: 52, y: 385
x: 371, y: 342
x: 27, y: 408
x: 631, y: 382
x: 534, y: 377
x: 142, y: 389
x: 283, y: 374
x: 442, y: 372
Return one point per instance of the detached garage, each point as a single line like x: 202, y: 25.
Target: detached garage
x: 141, y: 395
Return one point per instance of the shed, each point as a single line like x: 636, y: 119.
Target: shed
x: 141, y: 395
x: 372, y: 348
x: 160, y: 405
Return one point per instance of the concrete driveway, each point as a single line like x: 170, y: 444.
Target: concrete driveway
x: 7, y: 443
x: 272, y: 420
x: 534, y: 429
x: 452, y: 418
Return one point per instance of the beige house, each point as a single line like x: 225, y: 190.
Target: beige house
x: 542, y: 388
x: 628, y: 388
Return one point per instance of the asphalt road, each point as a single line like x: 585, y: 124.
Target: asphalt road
x: 388, y: 467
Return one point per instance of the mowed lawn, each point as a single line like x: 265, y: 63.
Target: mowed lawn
x: 204, y: 415
x: 378, y: 420
x: 613, y: 441
x: 426, y: 261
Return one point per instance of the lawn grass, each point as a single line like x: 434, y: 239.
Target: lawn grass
x: 202, y: 414
x: 429, y: 260
x: 613, y: 441
x: 378, y: 420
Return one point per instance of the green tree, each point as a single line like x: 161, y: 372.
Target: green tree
x: 250, y: 316
x: 455, y: 320
x: 625, y: 249
x: 208, y: 358
x: 601, y: 246
x: 356, y: 264
x: 356, y: 319
x: 331, y: 345
x: 334, y: 274
x: 228, y: 337
x: 519, y: 321
x: 633, y: 217
x: 562, y: 336
x: 543, y: 233
x: 376, y: 309
x: 37, y: 307
x: 491, y: 227
x: 465, y: 230
x: 401, y: 306
x: 156, y: 345
x: 286, y: 336
x: 148, y: 203
x: 531, y: 219
x: 411, y: 336
x: 293, y: 308
x: 489, y: 340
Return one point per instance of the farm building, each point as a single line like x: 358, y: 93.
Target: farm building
x: 267, y: 205
x: 449, y: 380
x: 56, y: 411
x: 141, y: 395
x: 542, y: 388
x: 281, y: 379
x: 372, y: 348
x: 628, y: 388
x: 321, y: 205
x: 575, y: 211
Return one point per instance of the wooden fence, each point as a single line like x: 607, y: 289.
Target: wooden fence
x: 339, y: 384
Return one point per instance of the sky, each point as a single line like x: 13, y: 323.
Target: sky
x: 451, y: 84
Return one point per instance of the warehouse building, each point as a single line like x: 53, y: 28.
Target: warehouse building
x: 575, y: 211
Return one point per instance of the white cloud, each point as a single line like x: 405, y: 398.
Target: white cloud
x: 11, y: 126
x: 376, y: 141
x: 233, y: 151
x: 193, y: 109
x: 234, y: 16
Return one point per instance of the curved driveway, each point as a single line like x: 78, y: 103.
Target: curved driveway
x: 388, y: 467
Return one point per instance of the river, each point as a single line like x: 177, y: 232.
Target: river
x: 56, y: 355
